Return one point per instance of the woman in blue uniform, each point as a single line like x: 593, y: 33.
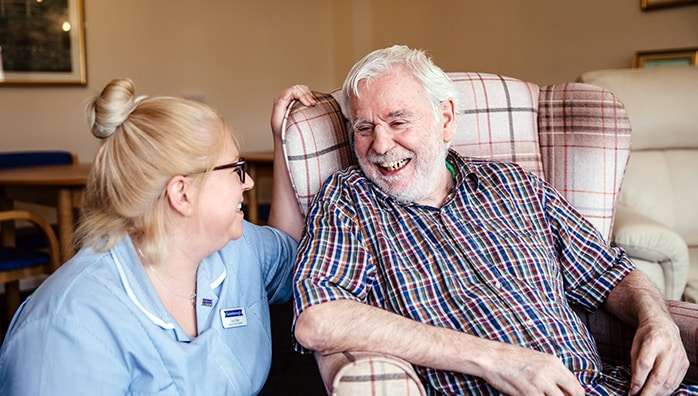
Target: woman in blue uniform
x: 169, y: 292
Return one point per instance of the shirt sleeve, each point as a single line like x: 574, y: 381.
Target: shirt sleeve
x: 591, y: 266
x: 55, y: 356
x: 276, y: 252
x: 332, y: 261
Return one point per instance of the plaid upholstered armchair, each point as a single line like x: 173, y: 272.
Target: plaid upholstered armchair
x: 576, y: 136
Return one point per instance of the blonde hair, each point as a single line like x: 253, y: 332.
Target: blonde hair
x: 145, y: 142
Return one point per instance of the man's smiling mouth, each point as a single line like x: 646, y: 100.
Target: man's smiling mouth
x: 394, y: 165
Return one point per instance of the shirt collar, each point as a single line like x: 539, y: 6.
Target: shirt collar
x: 464, y: 171
x: 140, y: 291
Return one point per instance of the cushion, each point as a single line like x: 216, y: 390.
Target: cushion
x: 663, y: 185
x: 14, y: 258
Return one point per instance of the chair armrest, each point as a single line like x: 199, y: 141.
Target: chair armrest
x: 647, y: 239
x: 358, y: 373
x: 685, y: 316
x: 368, y: 373
x: 614, y: 337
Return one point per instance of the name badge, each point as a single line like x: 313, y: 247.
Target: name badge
x: 233, y: 317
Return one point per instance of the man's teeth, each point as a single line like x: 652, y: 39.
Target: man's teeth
x: 239, y: 207
x: 397, y: 164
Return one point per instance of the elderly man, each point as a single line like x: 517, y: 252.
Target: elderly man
x: 466, y: 269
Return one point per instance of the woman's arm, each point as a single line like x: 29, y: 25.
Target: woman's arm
x: 285, y: 213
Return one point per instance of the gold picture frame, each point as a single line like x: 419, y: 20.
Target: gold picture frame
x: 669, y: 57
x: 652, y: 4
x: 43, y: 42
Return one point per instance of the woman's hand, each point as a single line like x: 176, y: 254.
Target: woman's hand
x: 298, y: 92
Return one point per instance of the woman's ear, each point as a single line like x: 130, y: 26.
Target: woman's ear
x: 179, y: 195
x: 448, y: 119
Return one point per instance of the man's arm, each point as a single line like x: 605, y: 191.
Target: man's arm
x: 658, y: 358
x: 346, y: 325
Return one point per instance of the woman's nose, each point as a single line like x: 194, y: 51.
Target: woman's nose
x: 249, y: 182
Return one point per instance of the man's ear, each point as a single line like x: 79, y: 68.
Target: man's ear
x: 179, y: 195
x: 448, y: 119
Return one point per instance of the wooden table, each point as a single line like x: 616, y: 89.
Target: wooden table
x: 65, y: 181
x: 258, y: 164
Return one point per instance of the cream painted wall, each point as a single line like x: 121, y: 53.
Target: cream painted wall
x: 544, y: 41
x: 237, y: 55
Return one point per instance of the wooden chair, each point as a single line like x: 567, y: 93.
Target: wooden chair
x: 27, y: 240
x: 23, y: 262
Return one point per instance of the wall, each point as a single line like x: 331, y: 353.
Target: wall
x: 237, y: 55
x: 544, y: 41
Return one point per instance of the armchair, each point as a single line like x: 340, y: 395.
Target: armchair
x: 657, y: 218
x: 576, y: 136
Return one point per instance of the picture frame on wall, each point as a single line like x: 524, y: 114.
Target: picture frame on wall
x: 669, y: 57
x: 42, y: 42
x: 652, y: 4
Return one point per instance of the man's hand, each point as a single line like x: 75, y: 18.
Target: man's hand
x: 521, y: 371
x: 658, y: 358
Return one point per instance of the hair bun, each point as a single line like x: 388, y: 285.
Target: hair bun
x: 108, y: 111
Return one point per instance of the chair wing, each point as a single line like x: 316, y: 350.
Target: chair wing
x: 584, y: 136
x: 316, y: 144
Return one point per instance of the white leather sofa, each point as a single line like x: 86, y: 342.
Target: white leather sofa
x: 656, y: 218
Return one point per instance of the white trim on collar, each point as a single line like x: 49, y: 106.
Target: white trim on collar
x: 132, y: 296
x: 219, y: 280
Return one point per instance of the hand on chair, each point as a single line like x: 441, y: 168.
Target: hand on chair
x: 281, y: 103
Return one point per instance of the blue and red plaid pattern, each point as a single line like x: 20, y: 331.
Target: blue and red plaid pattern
x: 500, y: 260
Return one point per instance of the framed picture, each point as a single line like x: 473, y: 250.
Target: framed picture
x: 42, y: 42
x: 652, y: 4
x: 671, y: 57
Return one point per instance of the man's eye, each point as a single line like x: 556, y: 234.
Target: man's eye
x: 398, y: 124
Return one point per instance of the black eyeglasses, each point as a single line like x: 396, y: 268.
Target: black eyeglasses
x: 237, y: 166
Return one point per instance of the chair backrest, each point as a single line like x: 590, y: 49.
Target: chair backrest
x: 17, y: 263
x: 16, y: 159
x: 661, y: 180
x: 577, y: 136
x: 12, y: 258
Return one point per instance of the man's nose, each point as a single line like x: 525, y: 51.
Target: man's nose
x: 382, y: 139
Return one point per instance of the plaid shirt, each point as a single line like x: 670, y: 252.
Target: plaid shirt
x: 502, y: 259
